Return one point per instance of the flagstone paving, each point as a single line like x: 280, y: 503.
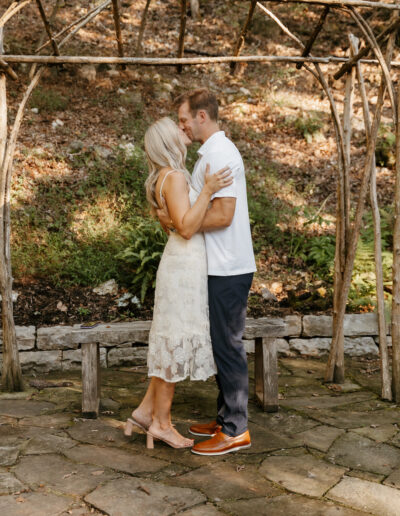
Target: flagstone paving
x: 329, y: 451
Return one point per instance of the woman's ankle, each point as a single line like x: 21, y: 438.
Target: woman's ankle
x: 160, y: 426
x: 142, y: 416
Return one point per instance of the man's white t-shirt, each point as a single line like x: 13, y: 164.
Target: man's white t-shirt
x: 229, y: 250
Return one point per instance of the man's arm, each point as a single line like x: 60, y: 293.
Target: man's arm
x: 220, y: 214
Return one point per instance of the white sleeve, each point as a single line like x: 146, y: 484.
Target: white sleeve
x: 220, y: 160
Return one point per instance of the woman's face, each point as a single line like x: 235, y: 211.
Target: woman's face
x: 184, y: 137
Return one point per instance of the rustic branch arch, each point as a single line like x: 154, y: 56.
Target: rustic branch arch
x: 347, y: 230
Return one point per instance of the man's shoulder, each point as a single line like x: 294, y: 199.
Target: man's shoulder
x: 222, y: 147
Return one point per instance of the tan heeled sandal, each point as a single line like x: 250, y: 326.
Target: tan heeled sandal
x: 151, y: 437
x: 130, y: 423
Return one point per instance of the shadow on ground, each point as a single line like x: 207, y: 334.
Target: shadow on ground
x: 326, y: 452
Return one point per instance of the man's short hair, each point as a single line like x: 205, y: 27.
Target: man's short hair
x: 200, y: 99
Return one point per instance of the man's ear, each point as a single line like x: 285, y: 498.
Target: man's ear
x: 203, y: 116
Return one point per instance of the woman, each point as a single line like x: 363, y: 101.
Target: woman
x: 179, y: 340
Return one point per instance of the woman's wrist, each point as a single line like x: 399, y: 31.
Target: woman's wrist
x: 207, y: 190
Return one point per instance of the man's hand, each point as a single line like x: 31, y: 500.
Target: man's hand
x: 165, y: 219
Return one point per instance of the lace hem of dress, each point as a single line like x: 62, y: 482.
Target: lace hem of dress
x: 175, y: 359
x: 181, y: 379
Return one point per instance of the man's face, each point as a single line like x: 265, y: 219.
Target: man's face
x: 187, y: 123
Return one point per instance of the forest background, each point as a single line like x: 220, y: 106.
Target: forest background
x: 79, y: 214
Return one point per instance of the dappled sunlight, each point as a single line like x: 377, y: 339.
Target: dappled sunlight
x: 69, y: 204
x: 98, y: 219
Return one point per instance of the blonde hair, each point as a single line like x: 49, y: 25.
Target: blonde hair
x: 164, y: 148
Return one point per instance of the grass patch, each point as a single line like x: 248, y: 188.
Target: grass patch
x: 48, y: 100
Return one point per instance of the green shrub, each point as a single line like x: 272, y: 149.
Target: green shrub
x: 310, y: 126
x: 385, y: 147
x: 363, y: 286
x: 48, y: 100
x: 318, y: 252
x: 143, y: 255
x: 70, y: 231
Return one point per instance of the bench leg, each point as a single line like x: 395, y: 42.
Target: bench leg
x: 266, y: 373
x: 90, y: 380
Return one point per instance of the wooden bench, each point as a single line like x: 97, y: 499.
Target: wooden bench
x: 263, y: 331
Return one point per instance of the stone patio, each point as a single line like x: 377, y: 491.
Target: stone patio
x: 326, y: 452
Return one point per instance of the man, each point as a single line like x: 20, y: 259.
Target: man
x: 231, y: 266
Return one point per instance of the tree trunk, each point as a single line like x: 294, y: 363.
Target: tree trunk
x: 11, y: 371
x: 396, y: 269
x: 195, y: 9
x: 386, y: 390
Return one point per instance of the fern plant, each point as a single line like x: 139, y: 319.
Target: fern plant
x: 320, y: 253
x: 385, y: 147
x: 143, y: 255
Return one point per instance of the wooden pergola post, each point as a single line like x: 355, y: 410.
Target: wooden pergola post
x: 335, y: 360
x: 396, y: 269
x: 386, y: 390
x: 11, y: 371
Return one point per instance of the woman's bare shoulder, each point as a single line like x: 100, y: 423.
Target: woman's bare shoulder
x: 175, y: 175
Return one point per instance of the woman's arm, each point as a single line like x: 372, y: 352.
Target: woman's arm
x: 187, y: 220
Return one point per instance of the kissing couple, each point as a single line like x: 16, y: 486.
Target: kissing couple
x: 203, y: 279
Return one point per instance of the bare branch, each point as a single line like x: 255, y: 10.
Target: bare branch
x: 142, y: 26
x: 240, y: 43
x: 12, y: 10
x: 79, y: 20
x: 181, y: 42
x: 47, y: 27
x: 365, y: 51
x: 314, y: 35
x: 117, y: 23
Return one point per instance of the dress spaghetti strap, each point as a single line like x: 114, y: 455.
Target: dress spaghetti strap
x: 162, y: 183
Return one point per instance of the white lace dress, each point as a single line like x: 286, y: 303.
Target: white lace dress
x: 179, y: 340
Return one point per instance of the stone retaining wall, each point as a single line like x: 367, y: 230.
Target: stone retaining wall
x: 125, y: 344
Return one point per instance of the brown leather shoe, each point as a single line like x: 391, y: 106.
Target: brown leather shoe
x: 209, y: 429
x: 222, y: 443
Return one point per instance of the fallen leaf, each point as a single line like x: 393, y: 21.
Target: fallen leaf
x: 97, y: 473
x: 20, y: 499
x: 61, y: 307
